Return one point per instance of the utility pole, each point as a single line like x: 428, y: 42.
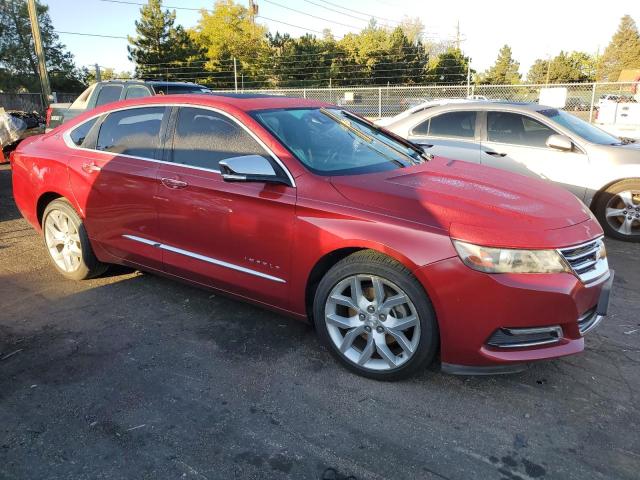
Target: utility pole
x: 458, y: 35
x: 98, y: 74
x: 37, y: 41
x: 468, y: 77
x: 253, y: 10
x: 548, y: 68
x: 235, y: 74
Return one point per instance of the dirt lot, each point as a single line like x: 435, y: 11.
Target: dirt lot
x: 136, y: 376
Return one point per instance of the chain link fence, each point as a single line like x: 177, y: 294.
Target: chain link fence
x: 581, y: 98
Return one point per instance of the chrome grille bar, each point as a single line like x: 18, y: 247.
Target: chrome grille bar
x: 588, y: 260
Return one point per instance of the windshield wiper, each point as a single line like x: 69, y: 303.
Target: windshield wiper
x: 413, y: 146
x: 368, y: 138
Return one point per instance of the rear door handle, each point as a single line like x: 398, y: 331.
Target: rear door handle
x: 173, y: 183
x: 90, y: 167
x: 495, y: 154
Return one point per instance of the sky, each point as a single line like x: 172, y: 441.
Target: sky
x: 533, y: 29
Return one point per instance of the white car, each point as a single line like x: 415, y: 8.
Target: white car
x: 383, y: 122
x: 599, y: 168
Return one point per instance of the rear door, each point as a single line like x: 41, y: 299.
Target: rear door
x: 517, y: 142
x: 231, y: 235
x: 113, y: 175
x: 450, y: 134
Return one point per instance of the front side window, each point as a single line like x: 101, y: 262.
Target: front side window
x: 451, y: 125
x: 79, y: 133
x: 135, y: 131
x: 334, y: 142
x: 580, y: 127
x: 204, y: 137
x: 108, y: 94
x: 517, y: 129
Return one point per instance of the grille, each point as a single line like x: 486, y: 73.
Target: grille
x: 588, y: 260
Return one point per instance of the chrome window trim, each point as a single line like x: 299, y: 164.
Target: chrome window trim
x: 204, y: 258
x: 66, y: 136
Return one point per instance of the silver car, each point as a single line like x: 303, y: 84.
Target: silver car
x: 543, y: 142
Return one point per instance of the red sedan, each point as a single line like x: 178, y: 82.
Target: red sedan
x: 307, y: 209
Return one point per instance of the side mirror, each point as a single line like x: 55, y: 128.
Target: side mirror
x: 560, y: 142
x: 248, y: 168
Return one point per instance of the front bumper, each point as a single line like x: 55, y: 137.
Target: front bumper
x: 472, y: 306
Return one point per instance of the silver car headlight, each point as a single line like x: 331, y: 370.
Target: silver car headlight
x: 507, y: 260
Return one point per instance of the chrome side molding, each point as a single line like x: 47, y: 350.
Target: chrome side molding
x: 204, y: 258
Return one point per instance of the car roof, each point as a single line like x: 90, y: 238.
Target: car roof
x: 225, y: 101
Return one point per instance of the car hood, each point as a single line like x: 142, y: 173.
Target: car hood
x: 472, y: 202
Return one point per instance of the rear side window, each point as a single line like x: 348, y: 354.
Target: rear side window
x: 204, y: 137
x: 132, y: 132
x: 452, y: 124
x: 79, y: 133
x: 516, y: 129
x: 137, y: 91
x: 108, y: 94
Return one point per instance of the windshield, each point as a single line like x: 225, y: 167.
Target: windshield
x: 580, y: 127
x: 334, y: 142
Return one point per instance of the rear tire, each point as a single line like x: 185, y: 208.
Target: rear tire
x: 618, y: 210
x: 67, y: 243
x: 375, y: 318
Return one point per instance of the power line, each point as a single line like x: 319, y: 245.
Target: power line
x: 89, y: 34
x: 360, y: 12
x: 310, y: 15
x: 125, y: 2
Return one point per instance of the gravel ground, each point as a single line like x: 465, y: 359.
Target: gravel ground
x: 136, y: 376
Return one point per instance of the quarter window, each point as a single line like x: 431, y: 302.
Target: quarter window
x: 132, y: 132
x: 79, y: 133
x: 108, y: 94
x: 516, y: 129
x: 452, y: 124
x: 204, y: 137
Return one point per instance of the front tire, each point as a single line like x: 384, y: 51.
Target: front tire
x: 618, y: 210
x: 375, y: 317
x: 67, y: 242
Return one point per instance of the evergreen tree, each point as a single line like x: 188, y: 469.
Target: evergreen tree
x: 564, y: 68
x: 160, y: 49
x: 449, y: 67
x: 18, y: 62
x: 504, y: 71
x: 622, y: 52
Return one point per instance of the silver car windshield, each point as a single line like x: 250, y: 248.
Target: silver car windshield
x: 581, y: 128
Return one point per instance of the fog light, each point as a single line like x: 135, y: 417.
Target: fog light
x: 524, y: 337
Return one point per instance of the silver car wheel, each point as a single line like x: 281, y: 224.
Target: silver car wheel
x: 63, y: 241
x: 372, y: 322
x: 623, y: 212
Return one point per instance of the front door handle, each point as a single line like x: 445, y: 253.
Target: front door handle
x: 90, y: 167
x: 426, y: 145
x: 173, y: 183
x: 495, y: 154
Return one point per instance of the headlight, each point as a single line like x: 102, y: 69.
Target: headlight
x: 507, y: 260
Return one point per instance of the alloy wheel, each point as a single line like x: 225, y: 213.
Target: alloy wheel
x: 63, y: 241
x: 372, y: 322
x: 623, y: 212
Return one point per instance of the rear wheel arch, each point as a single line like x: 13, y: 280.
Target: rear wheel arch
x: 44, y: 200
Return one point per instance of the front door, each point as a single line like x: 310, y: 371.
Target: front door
x: 112, y: 171
x: 231, y: 235
x: 517, y: 143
